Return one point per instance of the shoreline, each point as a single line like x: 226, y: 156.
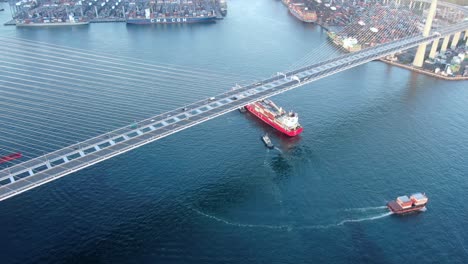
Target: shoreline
x: 426, y: 72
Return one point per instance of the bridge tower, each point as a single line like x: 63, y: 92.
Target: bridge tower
x: 419, y: 58
x: 445, y: 43
x: 455, y: 40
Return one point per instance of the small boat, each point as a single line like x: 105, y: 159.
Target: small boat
x: 242, y: 109
x: 2, y: 9
x: 405, y: 204
x: 267, y: 141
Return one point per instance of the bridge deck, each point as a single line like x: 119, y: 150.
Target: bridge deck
x: 41, y: 170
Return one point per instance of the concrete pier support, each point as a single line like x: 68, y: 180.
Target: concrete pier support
x: 445, y: 44
x: 419, y: 58
x: 455, y: 40
x: 434, y: 47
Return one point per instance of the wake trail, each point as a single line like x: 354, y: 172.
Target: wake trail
x: 288, y: 227
x: 280, y: 151
x: 364, y: 219
x: 365, y: 209
x: 285, y: 227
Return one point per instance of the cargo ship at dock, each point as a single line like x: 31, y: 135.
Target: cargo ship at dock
x: 51, y: 22
x: 285, y: 122
x: 303, y: 13
x: 405, y: 204
x: 170, y: 18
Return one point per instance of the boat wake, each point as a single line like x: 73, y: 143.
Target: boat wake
x: 280, y: 151
x: 365, y: 209
x: 286, y: 227
x: 291, y: 227
x: 364, y: 219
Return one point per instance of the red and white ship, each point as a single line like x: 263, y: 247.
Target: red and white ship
x: 268, y: 112
x: 405, y: 204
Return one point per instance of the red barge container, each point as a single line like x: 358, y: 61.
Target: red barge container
x: 268, y: 112
x: 405, y: 204
x: 10, y: 157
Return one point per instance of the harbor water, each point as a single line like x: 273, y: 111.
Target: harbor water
x: 215, y: 194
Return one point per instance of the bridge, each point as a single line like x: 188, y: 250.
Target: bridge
x: 46, y: 168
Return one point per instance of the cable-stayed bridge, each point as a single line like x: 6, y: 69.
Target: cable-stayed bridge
x: 48, y: 167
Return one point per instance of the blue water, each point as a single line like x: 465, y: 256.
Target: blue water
x: 214, y: 194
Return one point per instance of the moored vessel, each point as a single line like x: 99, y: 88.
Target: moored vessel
x: 303, y: 13
x: 171, y: 20
x: 150, y: 17
x: 270, y: 113
x: 51, y: 22
x: 47, y: 24
x: 405, y: 204
x: 223, y: 7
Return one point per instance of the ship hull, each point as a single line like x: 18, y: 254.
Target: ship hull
x: 171, y: 20
x: 272, y: 123
x: 397, y: 209
x: 56, y: 24
x: 295, y: 14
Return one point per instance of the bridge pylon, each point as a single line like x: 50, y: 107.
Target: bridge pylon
x: 435, y: 45
x: 445, y: 43
x: 419, y: 58
x: 455, y: 40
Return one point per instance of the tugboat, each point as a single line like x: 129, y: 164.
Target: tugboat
x: 405, y: 204
x: 270, y: 113
x: 267, y: 141
x: 223, y: 7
